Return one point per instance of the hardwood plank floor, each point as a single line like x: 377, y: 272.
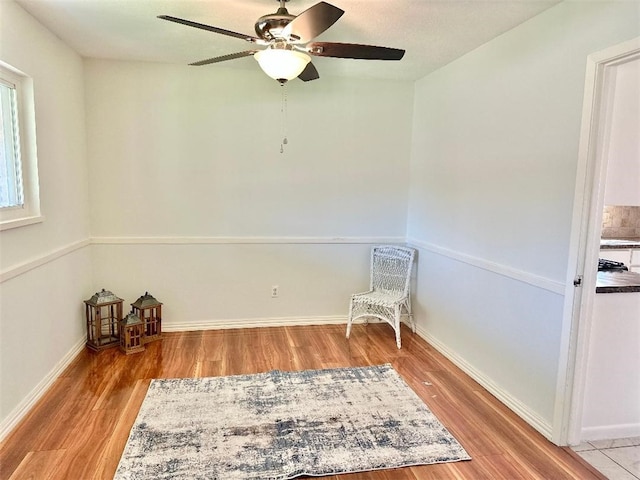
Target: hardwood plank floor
x: 78, y: 430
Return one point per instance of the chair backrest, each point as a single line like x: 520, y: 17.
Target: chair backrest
x: 391, y: 268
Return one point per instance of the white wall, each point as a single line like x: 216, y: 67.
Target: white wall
x: 493, y: 167
x: 623, y: 153
x: 45, y: 269
x: 178, y: 150
x: 192, y: 200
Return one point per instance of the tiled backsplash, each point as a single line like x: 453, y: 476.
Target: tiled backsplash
x: 621, y: 221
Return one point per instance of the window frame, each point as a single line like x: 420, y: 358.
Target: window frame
x: 29, y: 212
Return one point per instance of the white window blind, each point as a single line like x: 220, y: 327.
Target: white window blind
x: 11, y: 193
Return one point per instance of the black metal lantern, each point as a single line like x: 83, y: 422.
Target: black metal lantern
x: 103, y: 312
x: 150, y: 312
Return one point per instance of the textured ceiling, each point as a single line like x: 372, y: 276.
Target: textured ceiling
x: 433, y: 32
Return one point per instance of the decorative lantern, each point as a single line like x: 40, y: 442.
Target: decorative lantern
x: 103, y: 312
x: 150, y: 312
x: 131, y: 334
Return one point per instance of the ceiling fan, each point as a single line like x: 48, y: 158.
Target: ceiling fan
x: 287, y: 39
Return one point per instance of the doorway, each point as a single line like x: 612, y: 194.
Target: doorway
x: 585, y: 237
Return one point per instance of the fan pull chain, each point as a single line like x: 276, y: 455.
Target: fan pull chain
x: 283, y: 111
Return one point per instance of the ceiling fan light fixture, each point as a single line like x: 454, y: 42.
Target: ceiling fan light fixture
x: 282, y: 64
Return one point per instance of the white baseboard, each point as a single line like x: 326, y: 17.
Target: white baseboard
x: 253, y: 323
x: 610, y: 431
x: 512, y: 403
x: 520, y: 409
x: 19, y: 412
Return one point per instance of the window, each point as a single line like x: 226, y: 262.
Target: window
x: 19, y: 199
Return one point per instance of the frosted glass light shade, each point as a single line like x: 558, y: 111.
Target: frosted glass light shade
x: 281, y: 64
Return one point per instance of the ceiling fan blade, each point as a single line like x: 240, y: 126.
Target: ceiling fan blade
x: 223, y: 58
x: 312, y: 22
x: 309, y: 73
x: 354, y: 50
x: 202, y: 26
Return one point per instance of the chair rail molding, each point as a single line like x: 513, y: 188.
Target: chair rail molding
x: 539, y: 281
x: 34, y: 263
x: 241, y: 240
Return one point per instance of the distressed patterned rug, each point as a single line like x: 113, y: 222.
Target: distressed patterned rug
x: 281, y: 425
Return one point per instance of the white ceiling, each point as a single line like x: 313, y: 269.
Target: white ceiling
x: 433, y: 32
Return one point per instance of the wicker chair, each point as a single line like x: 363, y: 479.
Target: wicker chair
x: 388, y: 290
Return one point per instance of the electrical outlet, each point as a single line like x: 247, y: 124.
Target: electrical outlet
x: 274, y: 291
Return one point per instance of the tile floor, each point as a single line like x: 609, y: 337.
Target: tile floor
x: 616, y: 459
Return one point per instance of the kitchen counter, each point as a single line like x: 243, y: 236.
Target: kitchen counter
x: 619, y: 243
x: 617, y: 282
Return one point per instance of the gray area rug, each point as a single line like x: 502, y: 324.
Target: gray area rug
x: 280, y: 425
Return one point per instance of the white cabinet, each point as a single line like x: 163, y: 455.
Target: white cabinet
x: 612, y: 389
x: 630, y: 257
x: 617, y: 255
x: 634, y: 265
x: 623, y: 170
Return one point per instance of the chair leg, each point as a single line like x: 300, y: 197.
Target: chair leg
x: 412, y: 321
x: 397, y: 327
x: 350, y: 319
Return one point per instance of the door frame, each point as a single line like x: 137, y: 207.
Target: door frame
x: 584, y: 247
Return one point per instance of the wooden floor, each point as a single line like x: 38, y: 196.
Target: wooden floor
x: 79, y: 428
